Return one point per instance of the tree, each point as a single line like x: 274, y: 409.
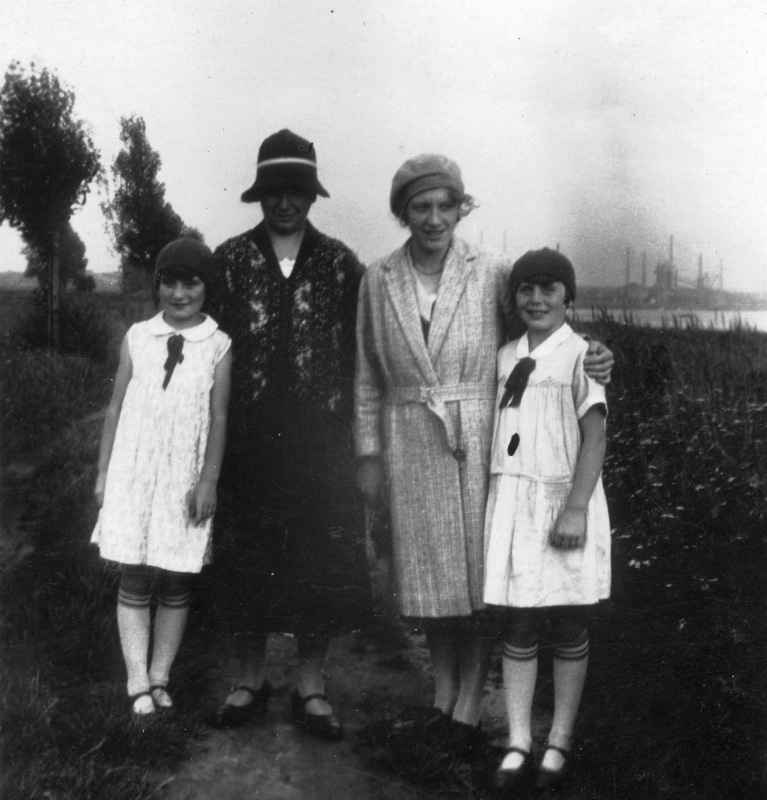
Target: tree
x: 72, y: 261
x: 47, y: 163
x: 139, y: 219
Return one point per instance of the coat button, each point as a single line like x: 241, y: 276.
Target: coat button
x: 459, y: 454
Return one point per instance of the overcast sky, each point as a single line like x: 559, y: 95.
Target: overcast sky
x: 594, y: 124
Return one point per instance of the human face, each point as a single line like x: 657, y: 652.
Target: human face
x: 286, y: 209
x: 541, y: 307
x: 181, y: 301
x: 432, y: 216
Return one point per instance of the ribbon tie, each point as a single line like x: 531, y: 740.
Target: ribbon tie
x: 175, y: 346
x: 517, y: 382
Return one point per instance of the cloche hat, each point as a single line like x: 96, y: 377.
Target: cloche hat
x: 285, y: 159
x: 545, y: 261
x: 185, y: 256
x: 419, y: 174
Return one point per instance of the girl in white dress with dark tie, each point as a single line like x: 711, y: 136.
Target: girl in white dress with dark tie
x: 159, y: 463
x: 547, y: 529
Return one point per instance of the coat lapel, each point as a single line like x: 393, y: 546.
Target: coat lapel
x: 399, y: 285
x: 458, y: 266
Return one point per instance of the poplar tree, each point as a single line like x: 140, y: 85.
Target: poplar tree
x: 47, y: 163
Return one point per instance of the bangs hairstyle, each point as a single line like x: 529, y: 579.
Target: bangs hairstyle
x: 547, y: 280
x: 465, y: 202
x: 187, y: 272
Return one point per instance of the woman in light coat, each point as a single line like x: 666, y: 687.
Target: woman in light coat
x: 431, y: 317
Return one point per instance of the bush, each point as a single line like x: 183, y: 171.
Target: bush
x: 86, y: 328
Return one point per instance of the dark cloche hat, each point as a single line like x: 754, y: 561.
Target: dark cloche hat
x: 285, y: 159
x: 185, y: 256
x: 545, y: 261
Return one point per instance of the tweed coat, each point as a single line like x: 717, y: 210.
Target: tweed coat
x: 427, y: 409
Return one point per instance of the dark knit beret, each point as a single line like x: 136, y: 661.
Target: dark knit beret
x: 187, y: 257
x: 544, y: 262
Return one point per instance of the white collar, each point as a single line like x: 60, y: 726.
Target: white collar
x: 545, y: 348
x: 159, y: 327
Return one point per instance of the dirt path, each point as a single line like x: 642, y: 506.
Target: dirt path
x: 271, y: 758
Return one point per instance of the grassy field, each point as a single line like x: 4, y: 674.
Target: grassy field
x: 676, y: 696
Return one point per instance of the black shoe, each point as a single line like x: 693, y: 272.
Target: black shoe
x: 550, y: 780
x: 509, y: 780
x: 229, y: 716
x: 324, y: 726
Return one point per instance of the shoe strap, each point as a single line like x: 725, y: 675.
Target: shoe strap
x: 519, y: 750
x: 561, y: 750
x: 249, y: 689
x: 311, y: 697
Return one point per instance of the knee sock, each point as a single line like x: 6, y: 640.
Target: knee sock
x: 570, y: 667
x: 133, y: 624
x: 520, y: 670
x: 169, y: 624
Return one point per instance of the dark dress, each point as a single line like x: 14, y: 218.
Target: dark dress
x: 289, y: 542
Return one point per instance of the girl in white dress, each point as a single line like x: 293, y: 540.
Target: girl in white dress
x: 547, y: 530
x: 159, y: 463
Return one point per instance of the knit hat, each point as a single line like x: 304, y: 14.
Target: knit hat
x: 285, y: 159
x: 536, y: 263
x: 420, y: 174
x: 185, y: 257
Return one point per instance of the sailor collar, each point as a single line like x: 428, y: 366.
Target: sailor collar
x: 545, y: 348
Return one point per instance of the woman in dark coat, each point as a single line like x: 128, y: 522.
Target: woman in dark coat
x: 289, y: 526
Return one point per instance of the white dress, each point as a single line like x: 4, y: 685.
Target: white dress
x: 529, y: 489
x: 159, y: 451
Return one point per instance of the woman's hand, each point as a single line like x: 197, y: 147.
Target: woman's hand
x: 369, y: 478
x: 598, y: 363
x: 570, y: 530
x: 98, y: 490
x: 202, y: 503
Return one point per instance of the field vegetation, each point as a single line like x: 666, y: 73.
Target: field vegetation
x: 676, y: 696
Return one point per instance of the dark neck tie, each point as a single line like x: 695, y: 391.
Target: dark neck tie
x: 175, y: 346
x: 517, y: 382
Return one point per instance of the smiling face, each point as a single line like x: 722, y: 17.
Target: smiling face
x: 181, y: 300
x: 541, y: 306
x: 286, y: 209
x: 432, y: 216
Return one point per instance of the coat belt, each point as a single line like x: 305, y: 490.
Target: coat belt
x: 435, y: 397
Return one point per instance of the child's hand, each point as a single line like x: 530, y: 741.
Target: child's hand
x: 98, y: 490
x: 570, y: 530
x: 202, y: 503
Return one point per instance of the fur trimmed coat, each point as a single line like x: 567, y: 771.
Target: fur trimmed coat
x: 427, y: 408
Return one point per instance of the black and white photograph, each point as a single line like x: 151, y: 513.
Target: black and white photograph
x: 383, y: 400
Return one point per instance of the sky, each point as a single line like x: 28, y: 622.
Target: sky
x: 589, y: 124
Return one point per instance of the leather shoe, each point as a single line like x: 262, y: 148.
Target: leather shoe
x: 229, y: 716
x: 550, y: 780
x: 323, y: 726
x: 508, y: 780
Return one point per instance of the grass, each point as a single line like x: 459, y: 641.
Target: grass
x: 676, y: 694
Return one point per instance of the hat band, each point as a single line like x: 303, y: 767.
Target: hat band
x: 272, y: 162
